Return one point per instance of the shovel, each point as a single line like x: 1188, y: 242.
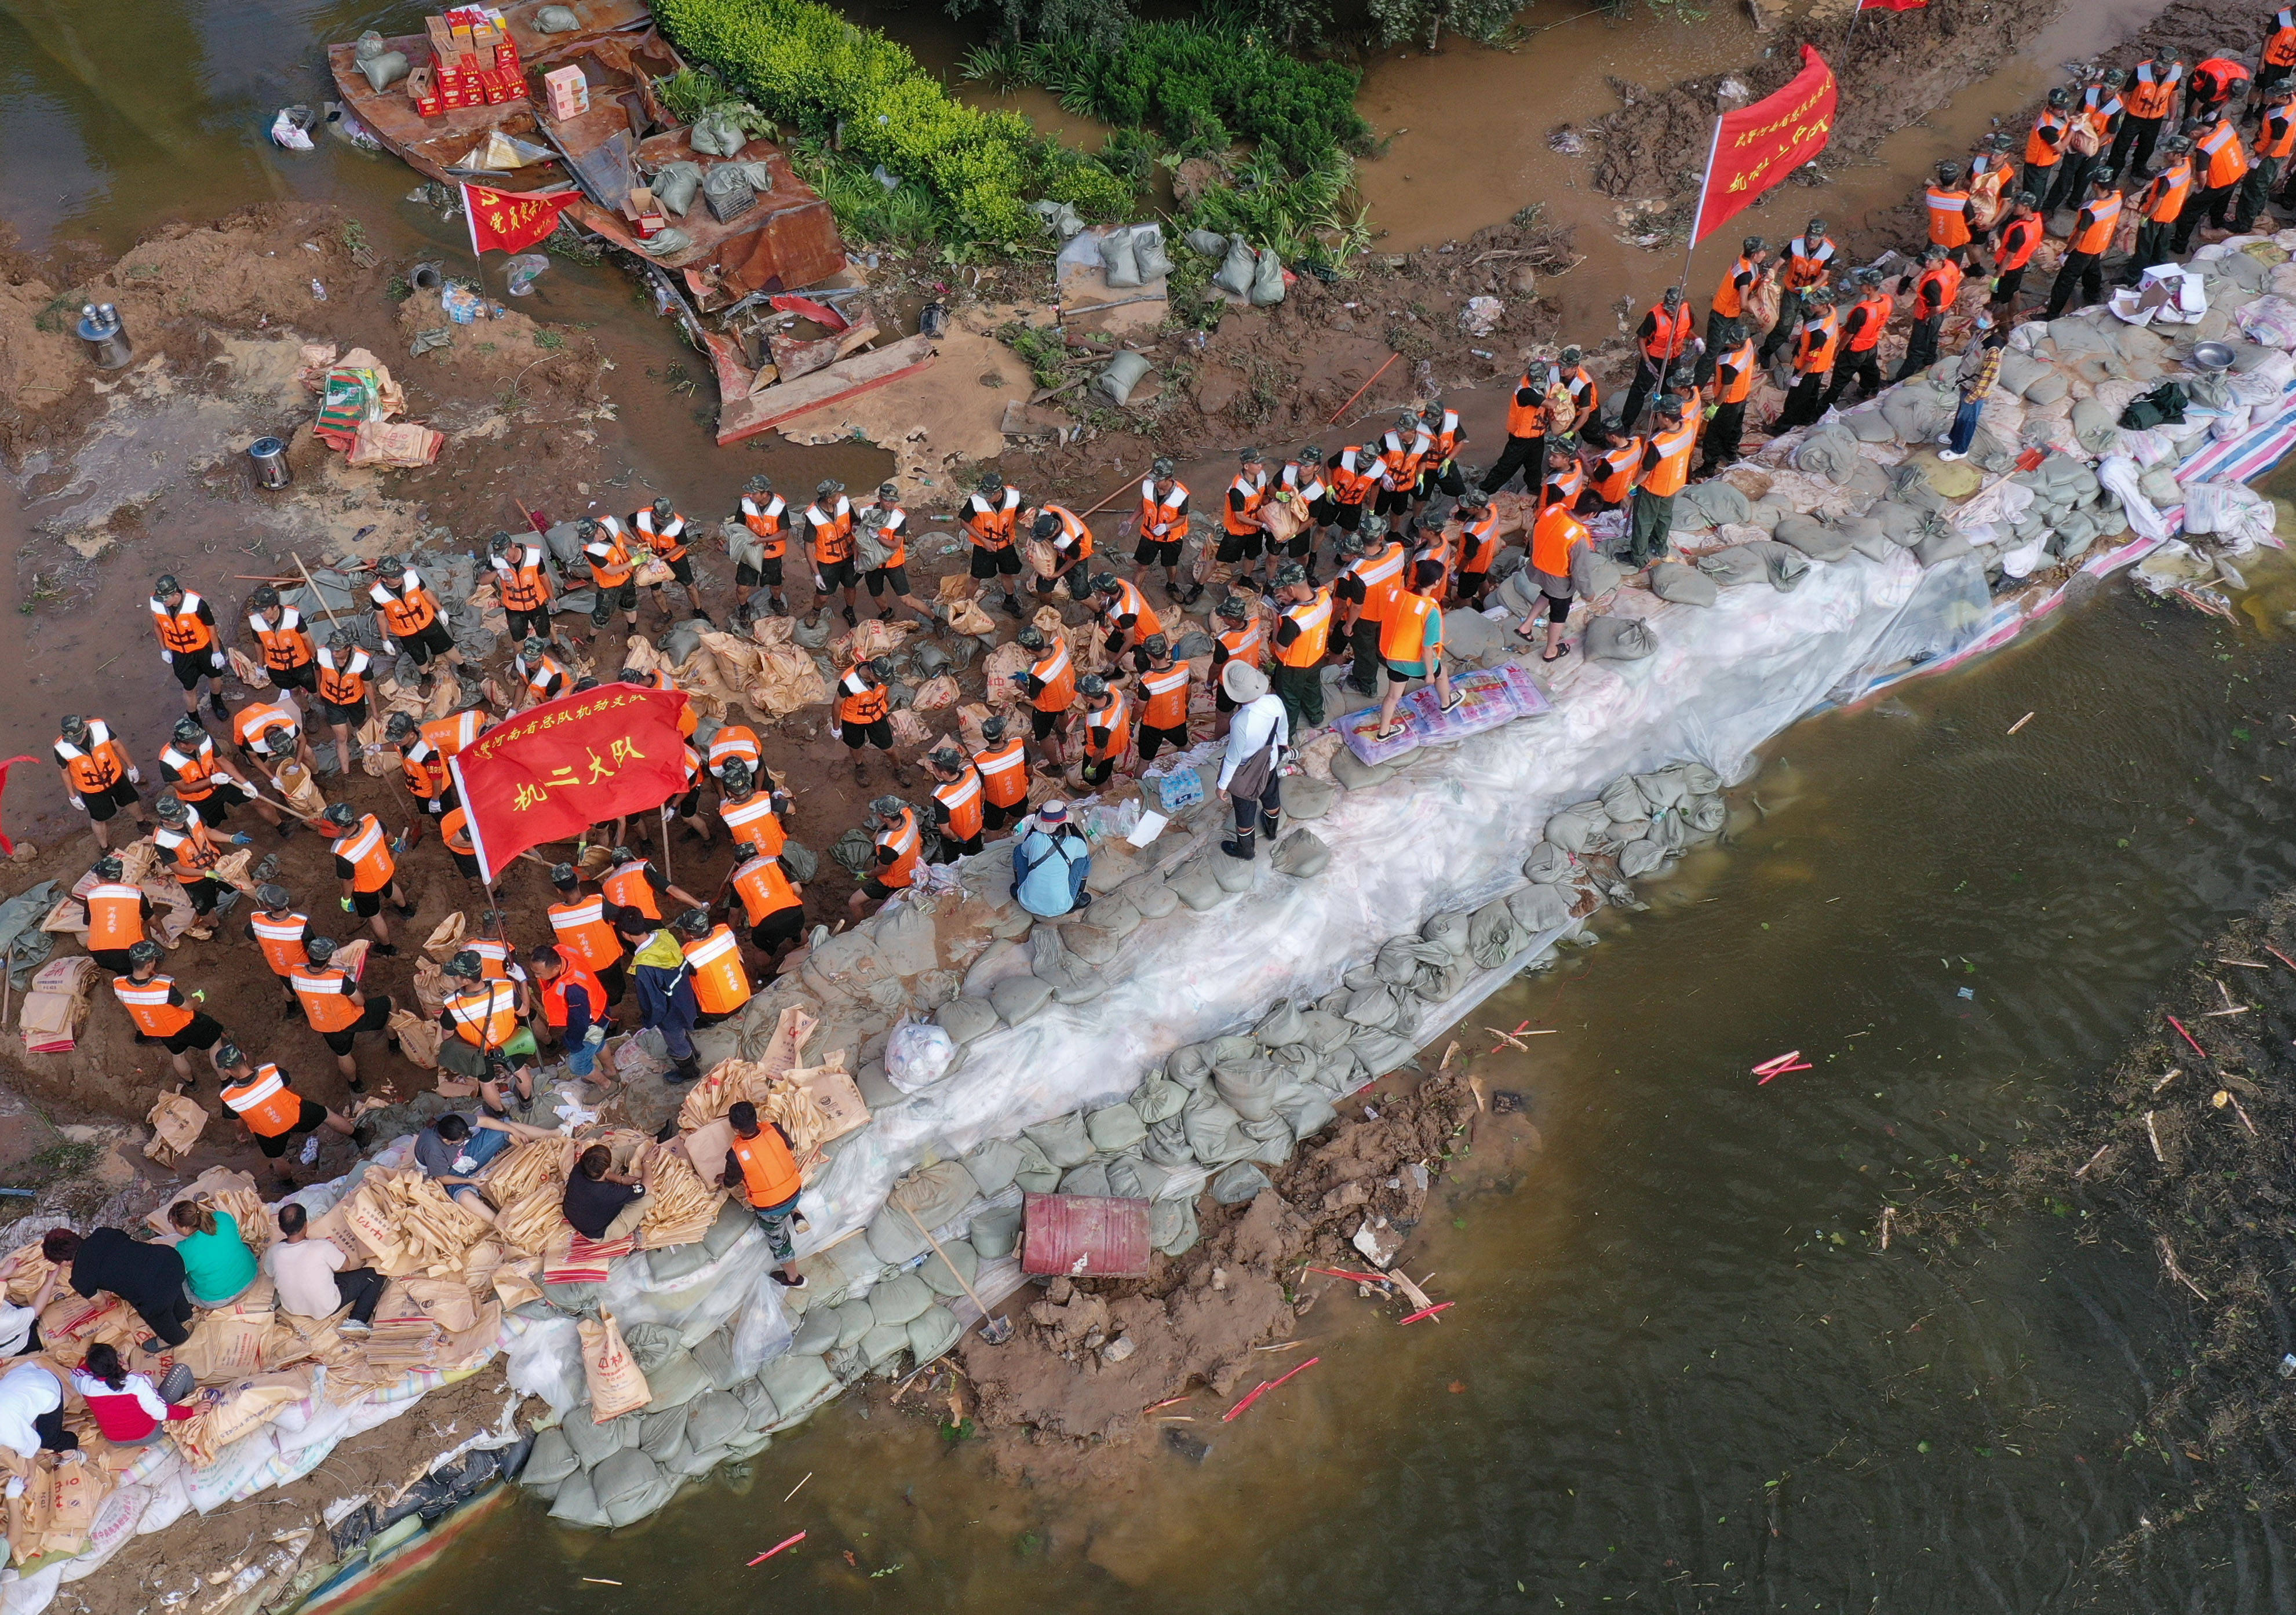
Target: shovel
x: 994, y: 1330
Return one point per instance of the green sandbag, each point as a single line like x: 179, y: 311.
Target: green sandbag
x: 996, y: 1232
x: 993, y: 1164
x: 549, y: 1460
x: 855, y: 1318
x: 1116, y: 1129
x: 1038, y: 1175
x: 1090, y: 1179
x: 759, y: 1412
x: 956, y: 1259
x: 576, y: 1502
x: 898, y: 1299
x: 932, y: 1332
x: 816, y: 1331
x: 1063, y: 1140
x: 629, y: 1486
x: 883, y: 1343
x: 713, y: 1354
x: 798, y: 1384
x: 1156, y: 1100
x: 1172, y: 1225
x: 935, y: 1194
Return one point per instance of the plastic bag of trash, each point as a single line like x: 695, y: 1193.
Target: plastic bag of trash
x: 525, y: 269
x: 461, y: 303
x: 917, y: 1055
x: 1267, y: 281
x: 289, y: 131
x: 1481, y: 315
x: 1237, y: 271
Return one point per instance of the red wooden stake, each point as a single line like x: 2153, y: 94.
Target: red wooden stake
x: 778, y: 1547
x: 1263, y: 1389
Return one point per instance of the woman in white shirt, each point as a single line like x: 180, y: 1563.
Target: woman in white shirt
x: 1250, y: 770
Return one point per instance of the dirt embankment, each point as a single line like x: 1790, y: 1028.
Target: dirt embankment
x: 1090, y: 1357
x: 2188, y: 1145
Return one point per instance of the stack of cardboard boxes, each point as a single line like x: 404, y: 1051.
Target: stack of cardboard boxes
x: 474, y: 62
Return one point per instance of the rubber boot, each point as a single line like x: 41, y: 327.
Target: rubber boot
x: 1269, y: 824
x: 1243, y: 847
x: 688, y: 1070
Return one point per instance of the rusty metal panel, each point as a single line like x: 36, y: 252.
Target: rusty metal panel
x: 1084, y: 1236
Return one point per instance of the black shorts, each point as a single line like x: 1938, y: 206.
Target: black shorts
x: 992, y: 818
x: 766, y: 572
x: 624, y: 594
x: 689, y: 806
x: 880, y: 579
x: 116, y: 960
x: 190, y: 667
x: 993, y: 563
x: 349, y: 717
x: 528, y: 624
x: 102, y: 805
x: 433, y: 640
x: 1393, y: 501
x: 1041, y: 723
x: 876, y: 890
x: 1153, y: 739
x: 305, y: 677
x: 1298, y: 547
x: 1095, y: 770
x: 1220, y: 701
x: 1157, y: 552
x: 836, y: 574
x: 879, y: 735
x: 204, y: 1032
x: 215, y: 807
x: 367, y: 905
x: 1323, y: 512
x: 310, y: 1116
x: 376, y: 1018
x: 1346, y: 518
x: 782, y: 925
x: 466, y: 864
x: 1241, y: 547
x: 1445, y: 478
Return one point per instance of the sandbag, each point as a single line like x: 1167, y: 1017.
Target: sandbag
x: 1038, y: 1175
x: 1353, y: 773
x: 1593, y: 575
x: 1148, y: 252
x: 1158, y: 1099
x: 576, y: 1502
x: 1940, y: 547
x: 1234, y: 1185
x: 1172, y: 1227
x: 1194, y: 884
x: 1132, y: 1178
x: 896, y: 1301
x: 1238, y: 269
x: 1812, y: 538
x: 1671, y: 580
x: 1582, y: 828
x: 934, y: 1194
x: 993, y: 1165
x: 955, y: 1260
x: 629, y: 1486
x: 1116, y: 1129
x: 1829, y: 451
x: 884, y: 1343
x: 677, y: 185
x: 816, y: 1331
x: 1063, y: 1139
x: 1619, y: 639
x: 893, y: 1238
x: 1232, y: 874
x: 1268, y: 279
x: 931, y: 1334
x: 1639, y: 859
x: 1149, y: 896
x: 996, y: 1232
x: 1304, y: 797
x: 1540, y: 908
x: 854, y: 1319
x: 1733, y: 566
x: 1018, y: 997
x: 1301, y: 854
x: 1117, y: 256
x: 1548, y: 865
x: 1785, y: 565
x: 549, y: 1460
x: 617, y: 1385
x: 1714, y: 503
x: 1307, y: 1112
x: 966, y: 1018
x: 591, y: 1440
x: 797, y: 1383
x: 1090, y: 1179
x: 1215, y: 1132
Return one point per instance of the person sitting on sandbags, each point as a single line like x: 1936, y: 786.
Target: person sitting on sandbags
x: 1050, y: 864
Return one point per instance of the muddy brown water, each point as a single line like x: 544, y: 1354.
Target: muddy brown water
x: 1680, y: 1374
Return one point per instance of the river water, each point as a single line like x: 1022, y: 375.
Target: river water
x: 1681, y: 1375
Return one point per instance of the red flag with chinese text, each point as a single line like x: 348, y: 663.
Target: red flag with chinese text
x: 1756, y: 147
x: 511, y: 221
x: 1893, y: 5
x: 552, y: 771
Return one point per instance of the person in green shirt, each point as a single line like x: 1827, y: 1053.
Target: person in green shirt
x: 217, y: 1265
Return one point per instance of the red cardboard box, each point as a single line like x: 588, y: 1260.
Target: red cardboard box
x: 506, y: 56
x: 491, y: 88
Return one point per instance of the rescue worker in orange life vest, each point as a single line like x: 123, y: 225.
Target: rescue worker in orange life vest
x: 1726, y: 373
x: 1860, y: 359
x: 865, y: 716
x: 408, y: 613
x: 1243, y: 541
x: 279, y: 933
x: 1411, y: 641
x: 665, y: 984
x: 1665, y: 466
x: 272, y: 1113
x: 188, y: 644
x: 1303, y: 628
x: 157, y: 1006
x: 660, y: 531
x: 948, y: 766
x: 337, y: 1010
x: 1935, y: 289
x: 2275, y: 137
x: 98, y: 778
x: 613, y: 573
x: 191, y: 856
x: 1068, y: 555
x: 1164, y: 528
x: 1665, y: 342
x: 210, y: 783
x: 342, y: 684
x: 2092, y: 238
x: 118, y: 915
x: 760, y: 1163
x: 484, y: 1039
x: 761, y: 525
x: 898, y: 850
x: 1163, y: 690
x: 522, y: 580
x: 728, y: 975
x: 369, y: 875
x: 885, y: 525
x: 571, y: 1008
x: 2021, y: 235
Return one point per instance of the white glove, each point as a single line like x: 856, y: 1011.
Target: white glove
x: 78, y: 805
x: 135, y: 776
x: 15, y: 1486
x: 169, y: 657
x: 819, y: 587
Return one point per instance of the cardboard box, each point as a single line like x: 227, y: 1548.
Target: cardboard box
x: 442, y: 39
x: 493, y: 86
x: 506, y: 57
x: 450, y: 94
x: 569, y: 92
x: 643, y: 212
x: 429, y: 106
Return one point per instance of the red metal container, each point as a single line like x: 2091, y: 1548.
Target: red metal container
x: 1084, y: 1236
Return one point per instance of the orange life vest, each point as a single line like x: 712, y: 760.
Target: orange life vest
x: 286, y: 647
x: 732, y: 741
x: 960, y: 798
x: 859, y: 702
x: 1313, y: 618
x: 1351, y: 481
x: 2267, y: 144
x: 769, y: 522
x: 1552, y: 539
x: 1004, y: 773
x: 343, y: 684
x: 2041, y: 152
x: 769, y: 1175
x: 582, y: 928
x: 1877, y: 308
x: 1935, y: 292
x: 1382, y: 576
x: 282, y: 941
x: 2093, y: 229
x: 326, y: 1005
x: 1673, y: 448
x: 1247, y: 645
x: 181, y: 631
x: 486, y: 1017
x: 571, y: 972
x: 451, y: 736
x: 194, y: 773
x: 521, y: 579
x: 1163, y: 518
x: 765, y: 889
x: 147, y: 1005
x: 96, y: 768
x: 666, y: 540
x: 2150, y: 92
x: 902, y: 839
x: 2021, y: 236
x: 1403, y: 636
x: 368, y: 851
x: 1729, y: 300
x: 1669, y: 335
x: 407, y: 610
x: 424, y: 772
x: 1739, y: 363
x: 1254, y: 491
x: 493, y: 959
x: 1057, y: 674
x: 1807, y: 262
x: 194, y: 855
x: 1108, y: 731
x: 753, y: 823
x: 1616, y: 474
x: 115, y: 916
x: 2228, y: 160
x: 608, y: 555
x: 992, y: 526
x: 720, y: 985
x: 1166, y: 707
x: 629, y: 887
x: 455, y: 830
x: 1948, y: 216
x: 1479, y: 544
x: 265, y: 1101
x: 830, y: 533
x: 1567, y: 479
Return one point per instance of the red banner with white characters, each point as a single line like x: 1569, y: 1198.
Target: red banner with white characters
x: 511, y: 221
x: 551, y: 772
x: 1756, y: 147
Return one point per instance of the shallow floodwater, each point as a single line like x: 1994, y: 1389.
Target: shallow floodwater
x: 1681, y: 1374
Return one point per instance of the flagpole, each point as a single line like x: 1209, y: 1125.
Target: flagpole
x: 1713, y: 147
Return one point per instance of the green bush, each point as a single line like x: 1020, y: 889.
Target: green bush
x: 805, y: 65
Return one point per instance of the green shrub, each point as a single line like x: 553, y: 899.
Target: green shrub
x: 803, y: 64
x: 688, y: 93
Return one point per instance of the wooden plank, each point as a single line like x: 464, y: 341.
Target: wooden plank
x: 741, y: 418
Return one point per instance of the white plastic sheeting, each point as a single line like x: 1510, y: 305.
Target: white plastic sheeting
x: 1450, y: 832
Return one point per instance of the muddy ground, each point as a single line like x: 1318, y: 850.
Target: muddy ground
x: 2186, y: 1145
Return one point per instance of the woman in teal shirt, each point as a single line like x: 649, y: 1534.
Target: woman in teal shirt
x: 217, y: 1265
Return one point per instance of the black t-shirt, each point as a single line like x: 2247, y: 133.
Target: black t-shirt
x: 592, y: 1204
x: 146, y: 1277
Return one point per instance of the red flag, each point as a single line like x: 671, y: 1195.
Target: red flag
x: 511, y: 221
x: 555, y: 770
x: 1756, y: 147
x: 1892, y: 5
